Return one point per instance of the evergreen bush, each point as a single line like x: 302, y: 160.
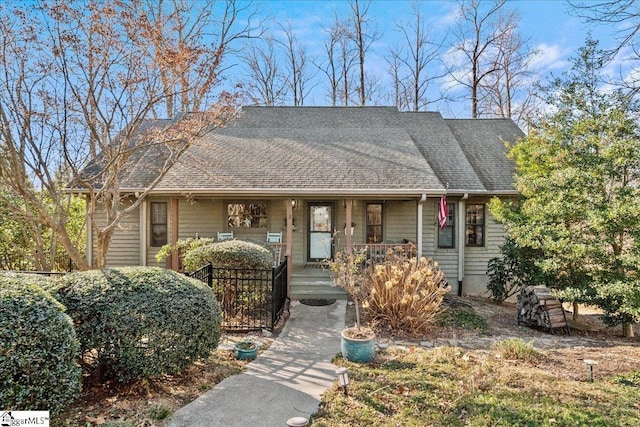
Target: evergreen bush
x: 38, y: 348
x: 229, y: 254
x: 140, y: 322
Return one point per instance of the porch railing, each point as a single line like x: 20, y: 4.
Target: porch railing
x: 251, y: 299
x: 377, y: 252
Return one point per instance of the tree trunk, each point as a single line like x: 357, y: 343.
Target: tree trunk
x: 627, y: 330
x: 575, y: 312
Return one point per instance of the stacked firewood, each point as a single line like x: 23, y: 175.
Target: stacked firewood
x: 538, y: 307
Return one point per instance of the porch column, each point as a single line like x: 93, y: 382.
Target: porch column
x: 289, y: 246
x: 419, y: 219
x: 347, y: 227
x: 461, y: 220
x: 175, y: 265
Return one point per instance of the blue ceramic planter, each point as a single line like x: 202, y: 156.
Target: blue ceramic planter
x: 360, y: 350
x: 243, y: 353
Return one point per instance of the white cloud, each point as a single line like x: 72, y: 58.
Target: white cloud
x: 550, y: 58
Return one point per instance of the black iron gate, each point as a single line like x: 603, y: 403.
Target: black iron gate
x: 251, y: 299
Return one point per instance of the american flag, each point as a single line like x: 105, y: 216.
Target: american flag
x: 442, y: 212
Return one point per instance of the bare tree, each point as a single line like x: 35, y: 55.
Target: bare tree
x: 479, y: 33
x: 508, y: 92
x: 623, y: 17
x: 189, y: 41
x: 75, y: 109
x: 412, y: 63
x: 266, y: 82
x: 331, y: 67
x: 363, y: 34
x: 298, y: 64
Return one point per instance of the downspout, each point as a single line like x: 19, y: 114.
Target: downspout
x: 89, y: 249
x: 461, y: 240
x: 423, y: 199
x: 143, y: 232
x: 288, y: 252
x: 175, y: 259
x: 347, y: 226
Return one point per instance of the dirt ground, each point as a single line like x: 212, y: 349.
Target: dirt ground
x: 149, y: 403
x: 589, y: 339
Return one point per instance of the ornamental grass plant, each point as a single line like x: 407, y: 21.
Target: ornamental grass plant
x: 405, y: 294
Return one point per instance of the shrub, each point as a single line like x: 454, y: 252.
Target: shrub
x: 38, y: 348
x: 515, y: 269
x: 406, y: 294
x: 230, y: 253
x: 138, y: 322
x: 182, y: 246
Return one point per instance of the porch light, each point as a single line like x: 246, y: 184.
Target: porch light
x: 294, y: 203
x: 590, y: 363
x: 343, y: 379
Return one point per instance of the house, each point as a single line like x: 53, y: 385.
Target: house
x: 330, y: 177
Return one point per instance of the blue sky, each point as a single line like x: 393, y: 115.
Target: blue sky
x: 552, y: 29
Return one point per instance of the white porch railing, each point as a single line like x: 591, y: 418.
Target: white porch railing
x: 379, y: 251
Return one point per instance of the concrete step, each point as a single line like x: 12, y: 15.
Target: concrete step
x: 315, y: 289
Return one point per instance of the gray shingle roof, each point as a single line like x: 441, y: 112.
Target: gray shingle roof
x: 339, y: 150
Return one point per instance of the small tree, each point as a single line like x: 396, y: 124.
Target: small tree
x: 348, y: 273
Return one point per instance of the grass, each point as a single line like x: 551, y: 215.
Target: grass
x: 448, y: 386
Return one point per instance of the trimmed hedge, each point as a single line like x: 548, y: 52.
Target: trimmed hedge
x: 38, y: 348
x: 139, y: 322
x: 229, y: 254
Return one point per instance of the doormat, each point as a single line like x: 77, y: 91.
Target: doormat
x: 317, y: 302
x: 314, y: 265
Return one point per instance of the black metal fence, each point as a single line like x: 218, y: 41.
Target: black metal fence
x: 251, y: 299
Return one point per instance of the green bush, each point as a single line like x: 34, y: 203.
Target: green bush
x: 229, y: 254
x: 514, y: 270
x: 139, y: 322
x: 38, y: 348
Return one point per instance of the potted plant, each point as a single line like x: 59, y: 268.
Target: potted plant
x: 358, y: 342
x: 246, y: 350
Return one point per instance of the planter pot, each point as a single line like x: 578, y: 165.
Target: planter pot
x: 246, y: 350
x: 360, y: 350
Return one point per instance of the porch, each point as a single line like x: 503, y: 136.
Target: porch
x: 313, y: 280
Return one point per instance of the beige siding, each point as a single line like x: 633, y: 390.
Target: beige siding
x: 399, y: 221
x: 125, y: 244
x: 476, y: 259
x: 447, y: 258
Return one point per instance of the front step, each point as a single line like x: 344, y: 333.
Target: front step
x: 314, y: 284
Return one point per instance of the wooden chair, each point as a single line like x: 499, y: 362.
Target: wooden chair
x: 225, y: 236
x: 274, y: 237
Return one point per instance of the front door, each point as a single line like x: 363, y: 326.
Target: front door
x: 320, y: 231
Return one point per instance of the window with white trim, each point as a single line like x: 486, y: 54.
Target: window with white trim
x: 475, y: 224
x: 158, y: 224
x: 446, y: 234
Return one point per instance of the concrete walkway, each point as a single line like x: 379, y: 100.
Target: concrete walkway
x: 285, y: 381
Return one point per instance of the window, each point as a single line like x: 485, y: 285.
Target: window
x: 158, y: 224
x: 446, y: 235
x: 374, y: 222
x: 247, y: 215
x: 475, y: 225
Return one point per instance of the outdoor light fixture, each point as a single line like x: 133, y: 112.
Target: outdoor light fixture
x: 294, y: 203
x: 590, y: 363
x: 343, y: 379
